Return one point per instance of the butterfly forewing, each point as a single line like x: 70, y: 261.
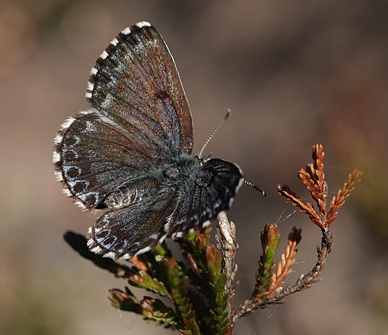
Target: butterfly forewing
x: 135, y: 83
x: 141, y: 121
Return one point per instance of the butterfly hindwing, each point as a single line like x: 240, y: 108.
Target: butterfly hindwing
x: 125, y: 232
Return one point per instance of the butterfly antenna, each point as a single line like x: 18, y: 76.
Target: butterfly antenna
x: 215, y: 131
x: 255, y: 187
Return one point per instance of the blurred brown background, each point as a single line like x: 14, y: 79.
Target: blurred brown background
x: 294, y: 73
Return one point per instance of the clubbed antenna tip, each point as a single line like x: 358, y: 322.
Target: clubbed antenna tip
x: 255, y: 187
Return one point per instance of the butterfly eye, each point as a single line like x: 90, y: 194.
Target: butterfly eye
x: 204, y: 177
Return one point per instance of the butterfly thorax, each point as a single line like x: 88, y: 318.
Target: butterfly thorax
x: 181, y: 168
x: 161, y: 179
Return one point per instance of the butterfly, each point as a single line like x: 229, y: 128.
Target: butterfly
x: 130, y: 153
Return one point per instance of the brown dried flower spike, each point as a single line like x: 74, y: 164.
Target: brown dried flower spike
x: 287, y: 260
x: 314, y: 179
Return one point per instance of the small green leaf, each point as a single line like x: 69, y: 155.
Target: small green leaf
x: 270, y: 239
x: 176, y: 282
x: 125, y: 301
x: 145, y: 281
x: 156, y: 310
